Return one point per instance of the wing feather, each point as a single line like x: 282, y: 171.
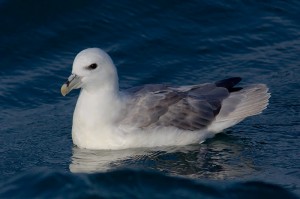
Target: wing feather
x: 188, y: 108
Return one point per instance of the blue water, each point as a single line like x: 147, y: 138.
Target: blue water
x: 174, y: 42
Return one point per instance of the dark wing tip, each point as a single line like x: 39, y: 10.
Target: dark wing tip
x: 229, y: 83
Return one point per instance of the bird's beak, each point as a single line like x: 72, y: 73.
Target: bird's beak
x: 74, y: 81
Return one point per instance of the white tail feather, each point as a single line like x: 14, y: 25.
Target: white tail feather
x: 251, y: 100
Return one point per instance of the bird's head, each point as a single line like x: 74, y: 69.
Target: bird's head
x: 92, y: 69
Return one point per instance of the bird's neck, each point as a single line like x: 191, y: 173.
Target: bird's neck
x: 98, y: 105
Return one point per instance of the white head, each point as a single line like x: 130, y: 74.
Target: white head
x: 92, y: 69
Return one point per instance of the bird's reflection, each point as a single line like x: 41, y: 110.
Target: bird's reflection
x: 90, y: 161
x: 223, y: 157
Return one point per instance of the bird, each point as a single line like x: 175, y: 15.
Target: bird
x: 152, y: 115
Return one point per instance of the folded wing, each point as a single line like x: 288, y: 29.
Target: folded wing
x: 187, y: 108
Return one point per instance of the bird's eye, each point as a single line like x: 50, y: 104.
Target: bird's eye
x: 92, y: 66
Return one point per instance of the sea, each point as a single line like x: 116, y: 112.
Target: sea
x: 172, y: 42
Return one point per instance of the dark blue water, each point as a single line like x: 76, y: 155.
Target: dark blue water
x: 175, y: 42
x: 133, y: 184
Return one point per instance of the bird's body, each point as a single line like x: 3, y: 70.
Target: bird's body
x: 152, y: 115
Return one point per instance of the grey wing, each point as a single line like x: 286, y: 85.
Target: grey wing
x: 188, y: 108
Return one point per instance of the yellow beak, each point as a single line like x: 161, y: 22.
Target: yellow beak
x: 74, y: 81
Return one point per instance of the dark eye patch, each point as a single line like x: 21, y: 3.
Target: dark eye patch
x: 92, y: 66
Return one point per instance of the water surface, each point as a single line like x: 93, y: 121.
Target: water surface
x: 174, y: 42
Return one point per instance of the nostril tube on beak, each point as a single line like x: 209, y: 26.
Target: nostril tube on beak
x: 67, y: 82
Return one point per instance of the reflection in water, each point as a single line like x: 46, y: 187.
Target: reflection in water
x: 90, y: 161
x: 224, y: 157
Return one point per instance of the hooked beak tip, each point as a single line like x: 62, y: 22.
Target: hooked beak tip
x: 64, y: 90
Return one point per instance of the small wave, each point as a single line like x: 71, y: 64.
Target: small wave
x: 131, y: 184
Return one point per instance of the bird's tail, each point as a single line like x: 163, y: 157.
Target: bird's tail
x: 250, y: 100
